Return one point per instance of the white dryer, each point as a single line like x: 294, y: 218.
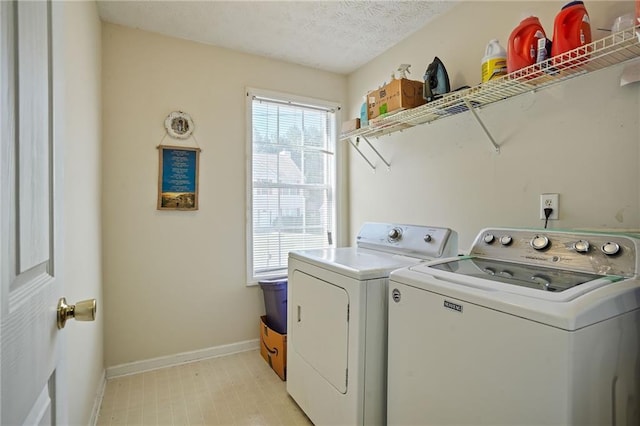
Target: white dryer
x: 337, y: 320
x: 534, y: 327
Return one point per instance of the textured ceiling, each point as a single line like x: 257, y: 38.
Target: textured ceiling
x: 337, y: 36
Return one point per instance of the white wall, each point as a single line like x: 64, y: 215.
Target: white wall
x: 580, y: 139
x: 82, y: 210
x: 175, y: 281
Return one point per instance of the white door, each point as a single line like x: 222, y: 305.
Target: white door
x: 320, y: 325
x: 30, y: 222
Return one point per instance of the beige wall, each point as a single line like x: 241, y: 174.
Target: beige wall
x: 579, y: 139
x: 175, y: 281
x: 82, y: 210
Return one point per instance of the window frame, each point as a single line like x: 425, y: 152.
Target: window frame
x: 338, y: 165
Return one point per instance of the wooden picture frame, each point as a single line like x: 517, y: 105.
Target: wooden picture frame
x: 178, y: 178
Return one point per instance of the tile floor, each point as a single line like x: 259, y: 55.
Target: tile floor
x: 238, y: 389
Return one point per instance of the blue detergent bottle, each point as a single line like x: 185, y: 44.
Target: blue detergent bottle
x: 364, y: 115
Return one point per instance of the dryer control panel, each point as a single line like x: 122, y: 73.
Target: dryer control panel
x: 423, y: 242
x: 591, y: 252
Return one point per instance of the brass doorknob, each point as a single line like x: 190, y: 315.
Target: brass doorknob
x: 81, y: 311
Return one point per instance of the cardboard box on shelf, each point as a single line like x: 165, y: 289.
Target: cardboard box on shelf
x: 350, y: 125
x: 398, y: 95
x: 273, y: 348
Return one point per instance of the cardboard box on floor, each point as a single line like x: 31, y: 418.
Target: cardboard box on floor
x: 273, y: 348
x: 398, y: 95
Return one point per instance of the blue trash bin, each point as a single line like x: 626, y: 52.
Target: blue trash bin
x: 275, y: 303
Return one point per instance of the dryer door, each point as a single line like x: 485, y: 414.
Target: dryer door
x: 320, y: 333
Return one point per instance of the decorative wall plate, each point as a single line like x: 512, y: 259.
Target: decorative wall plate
x: 179, y: 125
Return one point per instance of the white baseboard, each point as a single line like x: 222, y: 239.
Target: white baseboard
x: 98, y: 401
x: 181, y: 358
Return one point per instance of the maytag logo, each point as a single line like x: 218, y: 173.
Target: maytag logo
x: 453, y: 306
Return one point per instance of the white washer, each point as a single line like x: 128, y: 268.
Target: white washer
x: 337, y: 320
x: 533, y: 328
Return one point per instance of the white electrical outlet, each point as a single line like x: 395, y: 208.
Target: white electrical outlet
x: 549, y: 200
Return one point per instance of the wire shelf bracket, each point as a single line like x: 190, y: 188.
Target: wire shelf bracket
x: 481, y: 123
x: 355, y: 145
x: 377, y: 153
x: 362, y: 155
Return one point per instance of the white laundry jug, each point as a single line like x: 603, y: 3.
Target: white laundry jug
x: 494, y: 63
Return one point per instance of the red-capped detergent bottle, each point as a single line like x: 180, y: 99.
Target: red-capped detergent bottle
x: 522, y: 49
x: 571, y: 29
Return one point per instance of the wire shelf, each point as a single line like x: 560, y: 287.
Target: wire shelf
x: 614, y: 49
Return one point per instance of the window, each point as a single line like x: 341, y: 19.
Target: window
x: 291, y: 180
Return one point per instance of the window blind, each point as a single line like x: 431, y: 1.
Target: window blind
x: 292, y: 182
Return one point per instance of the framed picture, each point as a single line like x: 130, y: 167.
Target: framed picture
x: 178, y: 178
x: 179, y: 125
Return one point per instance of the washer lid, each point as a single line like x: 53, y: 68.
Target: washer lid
x: 518, y: 274
x: 358, y: 263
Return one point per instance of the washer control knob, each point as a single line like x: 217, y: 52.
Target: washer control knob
x: 581, y: 246
x: 505, y: 240
x: 395, y: 234
x: 610, y: 248
x: 427, y: 238
x: 488, y: 238
x: 539, y: 242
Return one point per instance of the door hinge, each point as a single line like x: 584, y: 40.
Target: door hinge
x: 346, y: 377
x: 348, y: 311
